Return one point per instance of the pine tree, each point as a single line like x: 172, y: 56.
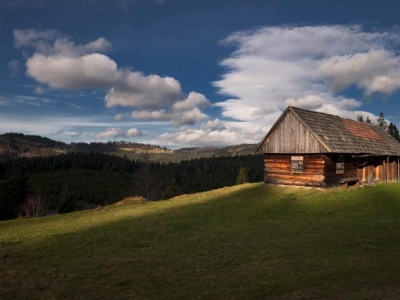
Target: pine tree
x: 360, y: 118
x: 396, y: 133
x: 391, y: 129
x: 368, y: 120
x: 242, y: 176
x: 381, y: 121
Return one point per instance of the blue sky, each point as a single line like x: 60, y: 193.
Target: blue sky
x: 192, y: 73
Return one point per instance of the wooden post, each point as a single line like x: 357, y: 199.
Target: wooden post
x: 387, y: 169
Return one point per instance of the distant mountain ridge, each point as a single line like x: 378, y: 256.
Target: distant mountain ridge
x: 14, y: 145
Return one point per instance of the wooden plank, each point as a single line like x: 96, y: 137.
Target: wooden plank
x: 291, y: 136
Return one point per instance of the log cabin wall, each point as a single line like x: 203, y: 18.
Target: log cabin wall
x: 332, y: 175
x: 278, y: 169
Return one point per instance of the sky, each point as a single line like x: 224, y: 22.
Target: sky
x: 185, y: 73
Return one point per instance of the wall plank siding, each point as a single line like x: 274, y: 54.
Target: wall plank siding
x: 291, y: 136
x: 278, y: 170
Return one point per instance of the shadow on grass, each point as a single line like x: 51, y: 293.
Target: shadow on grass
x: 249, y: 242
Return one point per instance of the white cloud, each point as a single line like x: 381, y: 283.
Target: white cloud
x: 193, y: 100
x: 199, y: 137
x: 308, y: 67
x: 61, y: 64
x: 133, y: 89
x: 130, y: 133
x: 188, y: 117
x: 374, y: 71
x: 14, y: 67
x: 183, y: 112
x: 71, y: 133
x: 117, y: 132
x: 309, y: 102
x: 51, y: 42
x: 148, y: 115
x: 215, y: 133
x: 213, y: 125
x: 58, y: 71
x: 108, y: 133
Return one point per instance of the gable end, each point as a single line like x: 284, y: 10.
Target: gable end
x: 290, y: 134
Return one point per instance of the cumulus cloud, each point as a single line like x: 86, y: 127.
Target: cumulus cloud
x: 309, y: 67
x: 60, y: 63
x: 215, y: 133
x: 147, y: 115
x: 193, y: 100
x: 133, y: 89
x: 213, y: 125
x: 117, y: 132
x: 185, y: 112
x: 58, y: 71
x: 188, y: 117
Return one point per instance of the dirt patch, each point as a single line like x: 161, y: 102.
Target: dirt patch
x: 131, y: 200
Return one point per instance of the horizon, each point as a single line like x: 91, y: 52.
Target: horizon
x: 128, y: 142
x: 192, y: 73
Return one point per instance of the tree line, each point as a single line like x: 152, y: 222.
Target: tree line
x: 391, y: 128
x: 79, y: 180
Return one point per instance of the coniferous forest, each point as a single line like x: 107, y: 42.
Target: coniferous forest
x: 77, y: 180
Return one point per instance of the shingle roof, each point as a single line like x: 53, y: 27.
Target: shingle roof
x: 347, y: 136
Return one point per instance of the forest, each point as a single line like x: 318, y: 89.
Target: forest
x: 80, y: 180
x: 40, y: 176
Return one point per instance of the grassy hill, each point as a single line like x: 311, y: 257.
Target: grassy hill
x: 245, y: 242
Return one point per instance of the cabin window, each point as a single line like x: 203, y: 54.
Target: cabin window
x: 340, y: 168
x: 297, y: 164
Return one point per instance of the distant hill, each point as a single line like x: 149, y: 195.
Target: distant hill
x: 229, y: 150
x: 21, y: 145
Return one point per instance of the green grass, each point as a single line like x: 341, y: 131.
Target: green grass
x: 246, y: 242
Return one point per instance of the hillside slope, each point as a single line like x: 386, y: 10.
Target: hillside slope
x: 14, y: 145
x: 245, y: 242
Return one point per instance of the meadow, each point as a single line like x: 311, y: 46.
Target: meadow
x: 251, y: 241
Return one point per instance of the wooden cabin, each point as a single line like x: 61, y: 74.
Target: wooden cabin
x: 310, y: 148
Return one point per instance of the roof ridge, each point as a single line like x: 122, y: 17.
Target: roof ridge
x: 323, y: 113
